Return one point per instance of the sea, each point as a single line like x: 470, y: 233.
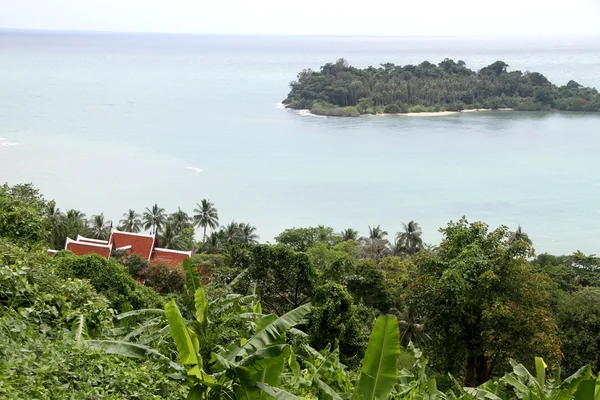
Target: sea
x: 107, y: 122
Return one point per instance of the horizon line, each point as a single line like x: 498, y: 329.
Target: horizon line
x: 113, y: 32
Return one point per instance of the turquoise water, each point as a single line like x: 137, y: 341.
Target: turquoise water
x: 109, y: 122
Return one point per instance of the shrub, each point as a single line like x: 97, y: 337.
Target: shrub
x: 22, y: 214
x: 392, y: 109
x: 321, y: 108
x: 163, y: 278
x: 134, y: 264
x: 109, y: 278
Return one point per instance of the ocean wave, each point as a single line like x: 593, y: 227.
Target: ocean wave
x: 280, y: 105
x: 307, y: 113
x: 9, y: 144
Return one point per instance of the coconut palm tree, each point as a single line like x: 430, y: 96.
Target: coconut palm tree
x: 57, y: 221
x: 131, y: 222
x: 154, y: 218
x: 247, y: 233
x: 376, y: 232
x: 76, y: 223
x: 206, y: 216
x: 213, y: 244
x: 231, y: 233
x: 349, y: 234
x: 180, y: 220
x: 169, y: 239
x: 410, y: 239
x: 99, y: 228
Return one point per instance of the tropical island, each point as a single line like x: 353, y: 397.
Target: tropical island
x: 319, y: 314
x: 339, y: 89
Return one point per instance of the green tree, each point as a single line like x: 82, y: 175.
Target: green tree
x: 99, y: 228
x: 206, y: 216
x: 285, y: 278
x: 300, y: 239
x: 131, y: 222
x: 247, y: 233
x: 169, y: 239
x: 410, y: 239
x: 367, y: 284
x: 349, y: 234
x: 76, y: 224
x: 22, y: 214
x: 578, y: 318
x: 57, y: 223
x: 154, y: 218
x: 481, y: 303
x: 180, y: 220
x: 519, y: 235
x: 335, y: 316
x: 376, y: 232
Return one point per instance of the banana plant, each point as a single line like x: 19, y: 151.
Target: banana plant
x: 579, y: 386
x: 241, y: 367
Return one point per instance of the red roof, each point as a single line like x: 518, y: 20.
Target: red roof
x: 83, y: 248
x: 140, y: 243
x: 172, y: 258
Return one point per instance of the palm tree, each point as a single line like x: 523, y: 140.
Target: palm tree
x: 57, y: 221
x: 154, y: 218
x: 231, y: 233
x: 169, y: 238
x: 213, y: 244
x: 76, y: 223
x: 377, y: 233
x: 349, y: 234
x: 99, y: 228
x: 180, y: 220
x: 131, y: 222
x: 519, y: 235
x: 206, y: 216
x: 410, y: 239
x: 247, y: 233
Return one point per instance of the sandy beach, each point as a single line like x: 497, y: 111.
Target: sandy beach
x: 442, y: 113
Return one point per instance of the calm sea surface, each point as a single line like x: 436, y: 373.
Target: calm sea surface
x: 111, y: 122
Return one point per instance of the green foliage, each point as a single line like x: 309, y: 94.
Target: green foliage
x: 342, y: 90
x: 285, y: 278
x: 481, y: 303
x: 368, y: 286
x: 109, y: 278
x: 22, y: 214
x: 336, y: 317
x: 301, y: 239
x: 164, y: 279
x: 134, y: 264
x: 578, y: 318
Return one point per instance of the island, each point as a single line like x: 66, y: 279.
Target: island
x: 339, y: 89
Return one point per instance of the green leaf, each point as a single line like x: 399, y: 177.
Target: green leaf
x: 181, y: 334
x: 126, y: 349
x: 572, y: 382
x: 586, y: 390
x: 257, y: 308
x: 192, y: 277
x: 144, y: 311
x: 272, y: 332
x: 517, y: 384
x: 540, y: 370
x: 379, y: 373
x: 327, y: 393
x: 201, y: 305
x: 79, y: 329
x: 276, y: 392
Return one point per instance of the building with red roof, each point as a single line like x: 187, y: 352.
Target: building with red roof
x: 172, y: 258
x: 82, y: 248
x: 142, y: 244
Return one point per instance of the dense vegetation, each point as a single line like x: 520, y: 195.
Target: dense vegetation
x: 342, y: 90
x: 319, y: 314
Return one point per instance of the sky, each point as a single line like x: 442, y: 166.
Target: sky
x: 309, y: 17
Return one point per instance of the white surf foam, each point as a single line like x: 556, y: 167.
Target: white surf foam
x: 198, y: 170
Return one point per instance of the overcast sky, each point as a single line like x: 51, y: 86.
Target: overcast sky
x: 313, y: 17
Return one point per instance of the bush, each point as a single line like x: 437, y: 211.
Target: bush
x: 392, y: 109
x: 334, y: 315
x: 110, y: 279
x: 163, y: 278
x: 134, y: 264
x: 34, y: 367
x: 320, y: 108
x: 22, y: 214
